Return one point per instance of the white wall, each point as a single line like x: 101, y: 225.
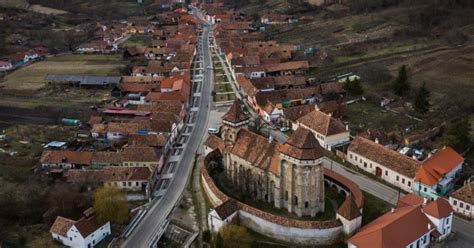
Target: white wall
x: 216, y: 223
x: 443, y: 225
x: 290, y: 234
x: 456, y: 204
x: 423, y: 241
x: 387, y: 175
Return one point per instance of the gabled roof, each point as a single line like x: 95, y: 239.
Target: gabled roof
x: 61, y: 225
x: 395, y: 229
x: 349, y: 209
x: 433, y: 169
x: 235, y: 114
x: 466, y: 193
x: 86, y: 226
x: 410, y: 200
x: 226, y: 209
x: 323, y: 123
x: 303, y: 145
x: 257, y: 150
x: 214, y: 142
x: 384, y: 156
x: 438, y: 208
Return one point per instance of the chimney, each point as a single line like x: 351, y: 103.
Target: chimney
x: 425, y: 201
x: 429, y: 155
x: 429, y: 226
x: 347, y: 127
x: 377, y: 140
x: 393, y: 210
x: 270, y: 139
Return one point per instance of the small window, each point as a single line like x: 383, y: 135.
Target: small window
x: 365, y: 164
x: 70, y: 238
x: 370, y: 165
x: 403, y: 180
x: 137, y: 184
x: 350, y: 156
x: 461, y: 205
x: 129, y: 184
x: 386, y: 173
x: 124, y: 184
x: 306, y: 204
x: 296, y: 200
x: 398, y: 178
x: 455, y: 202
x: 424, y: 189
x: 409, y: 184
x: 468, y: 207
x: 286, y: 195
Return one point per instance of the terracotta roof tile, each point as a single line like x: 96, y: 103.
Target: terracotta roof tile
x: 438, y: 208
x: 61, y: 225
x: 303, y: 145
x: 349, y: 209
x: 296, y: 112
x: 385, y: 156
x: 71, y: 157
x: 410, y: 200
x: 226, y: 209
x: 466, y: 193
x: 214, y: 142
x: 257, y: 149
x: 323, y: 123
x: 394, y: 229
x: 235, y: 114
x: 87, y: 226
x: 434, y: 168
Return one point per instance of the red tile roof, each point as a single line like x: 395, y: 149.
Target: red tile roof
x: 395, y: 229
x: 303, y: 145
x: 434, y: 168
x: 323, y: 123
x: 439, y: 208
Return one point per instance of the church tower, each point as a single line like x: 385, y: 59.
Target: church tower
x: 233, y: 121
x: 301, y: 174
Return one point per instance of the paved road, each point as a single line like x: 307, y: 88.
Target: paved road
x: 145, y: 232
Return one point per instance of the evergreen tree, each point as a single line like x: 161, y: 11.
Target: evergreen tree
x: 400, y: 85
x: 422, y: 104
x: 353, y: 88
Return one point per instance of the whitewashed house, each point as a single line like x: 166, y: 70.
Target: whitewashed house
x: 5, y: 65
x: 222, y: 215
x: 462, y: 200
x: 389, y: 165
x: 86, y: 232
x: 440, y: 213
x: 328, y: 130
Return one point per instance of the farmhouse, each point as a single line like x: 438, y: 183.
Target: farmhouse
x: 329, y: 131
x: 86, y: 232
x: 391, y: 166
x: 462, y: 200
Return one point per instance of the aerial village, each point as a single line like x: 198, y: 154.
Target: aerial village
x: 277, y: 154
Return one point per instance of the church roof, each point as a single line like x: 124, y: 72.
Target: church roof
x: 235, y: 114
x: 349, y: 209
x: 303, y: 145
x: 258, y: 150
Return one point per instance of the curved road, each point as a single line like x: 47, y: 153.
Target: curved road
x: 145, y: 233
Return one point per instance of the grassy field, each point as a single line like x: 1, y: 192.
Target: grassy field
x: 100, y: 65
x: 12, y: 3
x: 373, y: 208
x: 364, y: 115
x: 138, y: 40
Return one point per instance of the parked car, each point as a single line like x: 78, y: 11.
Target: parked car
x: 178, y: 145
x: 285, y: 129
x: 213, y: 130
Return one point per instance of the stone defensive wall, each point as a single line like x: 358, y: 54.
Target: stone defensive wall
x: 283, y: 228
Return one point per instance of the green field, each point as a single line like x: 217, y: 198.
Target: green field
x: 138, y: 40
x: 100, y: 65
x: 12, y: 3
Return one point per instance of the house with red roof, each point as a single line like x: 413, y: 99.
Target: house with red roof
x: 414, y: 223
x: 84, y: 233
x: 437, y: 173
